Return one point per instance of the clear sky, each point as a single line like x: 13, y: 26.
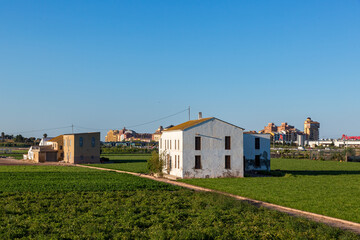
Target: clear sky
x: 110, y: 64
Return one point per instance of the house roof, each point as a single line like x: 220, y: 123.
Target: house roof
x: 81, y: 133
x: 60, y: 137
x: 192, y: 123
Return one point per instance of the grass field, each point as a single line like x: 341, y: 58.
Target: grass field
x: 54, y: 202
x: 324, y: 187
x: 126, y: 162
x: 15, y: 153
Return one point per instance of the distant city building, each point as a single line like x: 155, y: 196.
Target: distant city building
x: 157, y: 135
x: 282, y: 133
x: 112, y: 136
x: 311, y: 129
x: 127, y: 135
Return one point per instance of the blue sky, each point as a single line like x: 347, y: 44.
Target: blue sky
x: 110, y: 64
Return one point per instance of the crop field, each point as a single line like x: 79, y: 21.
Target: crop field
x: 60, y: 178
x: 56, y: 202
x: 126, y: 162
x: 324, y: 187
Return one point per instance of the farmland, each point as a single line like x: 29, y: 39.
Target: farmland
x: 126, y: 162
x: 15, y: 152
x: 324, y: 187
x: 76, y: 203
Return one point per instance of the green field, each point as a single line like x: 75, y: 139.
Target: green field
x: 324, y: 187
x: 15, y: 153
x: 55, y: 202
x: 126, y: 162
x: 61, y: 178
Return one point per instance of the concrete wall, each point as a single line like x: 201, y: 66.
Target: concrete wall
x: 250, y: 152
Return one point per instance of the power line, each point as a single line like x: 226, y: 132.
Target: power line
x: 159, y: 119
x: 42, y: 130
x: 99, y: 129
x: 156, y: 120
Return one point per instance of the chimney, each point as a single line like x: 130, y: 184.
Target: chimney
x: 200, y: 115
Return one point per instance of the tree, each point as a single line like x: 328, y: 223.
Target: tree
x: 19, y: 138
x: 2, y: 136
x: 156, y: 163
x: 348, y: 152
x: 45, y: 135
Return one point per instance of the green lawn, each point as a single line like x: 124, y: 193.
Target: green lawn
x: 126, y: 162
x: 54, y: 202
x: 324, y: 187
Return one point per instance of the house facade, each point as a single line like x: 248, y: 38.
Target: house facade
x: 256, y: 152
x: 203, y: 148
x: 82, y: 148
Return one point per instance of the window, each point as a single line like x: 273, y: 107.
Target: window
x: 93, y: 141
x: 227, y: 162
x: 197, y: 143
x: 197, y: 162
x: 178, y: 144
x: 175, y: 161
x: 160, y: 142
x: 257, y: 143
x: 61, y: 147
x: 81, y: 141
x: 175, y: 144
x: 81, y: 157
x: 257, y: 160
x: 170, y: 145
x: 227, y: 143
x: 178, y: 161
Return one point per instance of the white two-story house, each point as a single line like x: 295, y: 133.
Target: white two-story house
x: 203, y: 148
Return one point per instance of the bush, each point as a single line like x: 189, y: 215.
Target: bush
x: 155, y: 163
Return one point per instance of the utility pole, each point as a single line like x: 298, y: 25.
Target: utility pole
x: 189, y: 112
x: 72, y: 128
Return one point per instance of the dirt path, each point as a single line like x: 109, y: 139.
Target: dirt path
x: 334, y: 222
x: 13, y: 161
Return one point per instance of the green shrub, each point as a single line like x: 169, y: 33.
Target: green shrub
x: 155, y: 163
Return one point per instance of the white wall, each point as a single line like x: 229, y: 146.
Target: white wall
x: 213, y: 151
x: 250, y: 151
x: 172, y: 151
x: 341, y: 143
